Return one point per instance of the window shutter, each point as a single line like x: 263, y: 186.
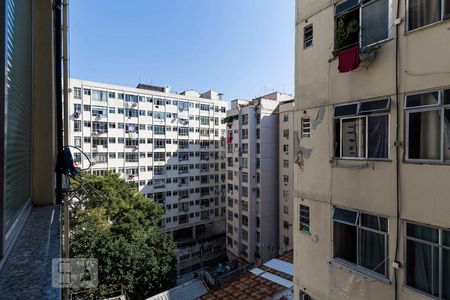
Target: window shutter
x: 17, y: 126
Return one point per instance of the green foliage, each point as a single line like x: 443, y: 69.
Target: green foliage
x: 346, y: 32
x: 119, y: 227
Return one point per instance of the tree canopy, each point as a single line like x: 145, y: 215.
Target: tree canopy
x: 119, y: 227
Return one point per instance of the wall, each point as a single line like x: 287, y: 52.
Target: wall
x: 322, y: 182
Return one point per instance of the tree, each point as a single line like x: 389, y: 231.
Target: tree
x: 119, y: 227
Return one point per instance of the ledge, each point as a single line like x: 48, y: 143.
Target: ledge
x: 27, y: 270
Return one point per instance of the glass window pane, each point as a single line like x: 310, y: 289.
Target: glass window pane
x: 374, y: 222
x: 445, y: 274
x: 447, y: 134
x: 346, y: 110
x: 345, y: 215
x: 446, y: 238
x: 337, y: 138
x: 345, y: 6
x: 422, y: 232
x: 418, y: 265
x: 447, y: 92
x: 424, y: 135
x: 354, y: 137
x: 375, y: 22
x: 378, y: 140
x: 376, y: 105
x: 426, y: 99
x: 423, y: 12
x: 345, y: 242
x: 373, y: 251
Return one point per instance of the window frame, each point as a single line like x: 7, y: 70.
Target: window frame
x: 366, y: 114
x: 438, y: 245
x: 359, y: 7
x: 440, y: 107
x: 303, y: 224
x: 443, y: 18
x: 308, y: 42
x: 357, y: 266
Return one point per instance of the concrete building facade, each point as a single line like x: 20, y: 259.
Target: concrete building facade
x: 252, y: 178
x: 286, y: 174
x: 172, y: 145
x: 371, y: 174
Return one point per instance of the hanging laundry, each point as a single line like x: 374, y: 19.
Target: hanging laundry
x: 349, y: 59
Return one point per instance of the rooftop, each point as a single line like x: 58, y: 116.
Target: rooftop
x: 271, y: 280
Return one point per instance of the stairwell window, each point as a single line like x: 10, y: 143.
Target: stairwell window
x: 362, y: 130
x: 428, y: 126
x: 361, y: 240
x: 307, y: 36
x: 304, y: 218
x: 427, y: 263
x: 425, y: 12
x: 306, y: 127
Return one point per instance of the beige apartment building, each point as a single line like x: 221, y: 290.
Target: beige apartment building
x: 286, y: 174
x: 252, y: 178
x: 372, y: 174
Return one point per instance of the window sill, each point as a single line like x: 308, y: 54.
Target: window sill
x: 426, y: 162
x: 426, y: 26
x: 417, y: 292
x: 361, y: 159
x: 366, y: 274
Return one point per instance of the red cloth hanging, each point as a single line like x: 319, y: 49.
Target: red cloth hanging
x: 349, y: 59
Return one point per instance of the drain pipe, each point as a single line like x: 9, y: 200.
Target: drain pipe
x: 397, y: 148
x: 65, y: 43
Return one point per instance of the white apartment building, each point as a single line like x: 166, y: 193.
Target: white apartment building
x: 286, y: 174
x: 252, y: 178
x: 171, y: 144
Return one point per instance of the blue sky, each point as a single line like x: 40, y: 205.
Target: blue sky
x: 243, y: 48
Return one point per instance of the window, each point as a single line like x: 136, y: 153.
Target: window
x: 307, y: 36
x: 285, y: 163
x: 425, y: 12
x: 244, y: 235
x: 286, y: 133
x: 77, y: 141
x: 361, y: 239
x: 244, y: 191
x: 306, y: 127
x: 361, y: 23
x: 304, y: 296
x: 244, y: 119
x: 244, y: 134
x: 362, y: 130
x: 86, y: 92
x: 286, y: 148
x: 285, y: 117
x: 112, y: 95
x: 244, y: 162
x: 77, y: 93
x: 159, y: 156
x: 77, y: 125
x: 285, y: 179
x: 286, y: 224
x: 428, y: 252
x: 158, y: 129
x: 244, y: 148
x: 99, y: 95
x: 428, y: 126
x: 304, y: 218
x: 375, y: 22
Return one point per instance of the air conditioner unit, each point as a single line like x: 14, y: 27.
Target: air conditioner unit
x: 76, y: 114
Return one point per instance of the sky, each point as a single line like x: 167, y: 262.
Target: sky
x: 242, y: 48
